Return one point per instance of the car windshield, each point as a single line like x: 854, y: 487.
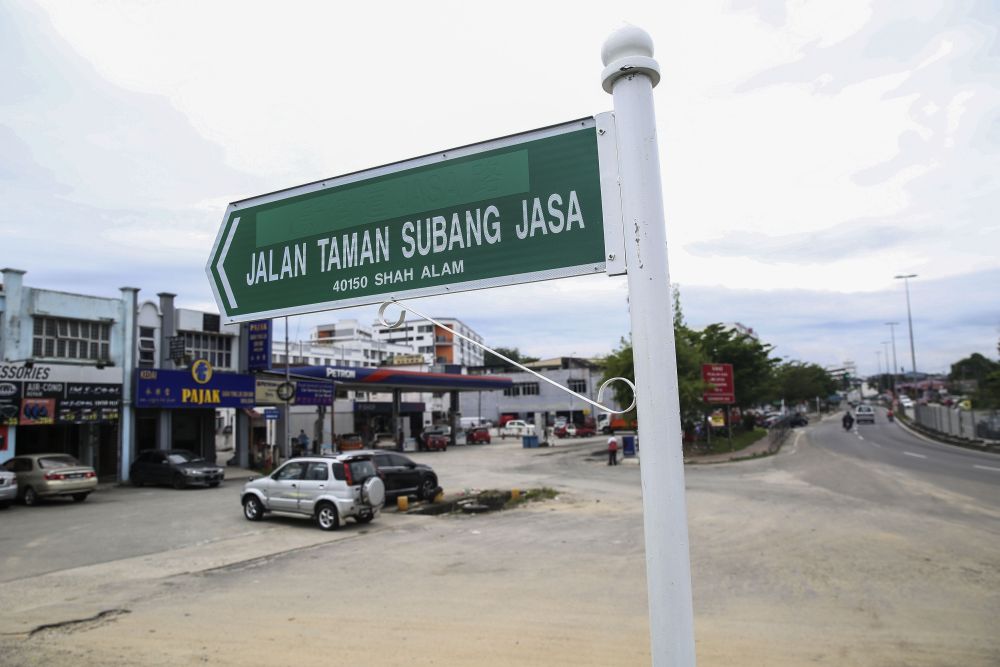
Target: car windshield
x: 183, y: 457
x: 57, y: 462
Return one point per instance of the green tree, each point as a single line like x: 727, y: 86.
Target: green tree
x: 974, y: 367
x: 619, y: 364
x: 689, y: 359
x: 797, y: 382
x: 753, y: 367
x: 513, y: 353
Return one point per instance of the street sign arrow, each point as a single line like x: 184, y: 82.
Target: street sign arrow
x: 523, y: 208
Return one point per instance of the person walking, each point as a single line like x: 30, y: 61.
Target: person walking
x: 612, y: 451
x: 303, y: 443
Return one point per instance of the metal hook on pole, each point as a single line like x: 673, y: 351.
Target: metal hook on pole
x: 597, y: 404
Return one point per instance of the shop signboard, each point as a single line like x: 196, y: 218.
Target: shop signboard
x: 89, y: 402
x: 10, y: 402
x: 199, y: 387
x: 259, y: 343
x: 313, y: 393
x: 47, y: 402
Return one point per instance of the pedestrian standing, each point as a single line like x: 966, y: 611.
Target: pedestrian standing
x: 303, y: 443
x: 612, y: 451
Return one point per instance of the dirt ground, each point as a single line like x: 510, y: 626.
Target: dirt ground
x: 786, y: 573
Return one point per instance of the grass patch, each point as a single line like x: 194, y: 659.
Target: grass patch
x: 741, y: 440
x: 531, y: 495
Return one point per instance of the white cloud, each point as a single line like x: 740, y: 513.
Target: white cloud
x: 823, y: 146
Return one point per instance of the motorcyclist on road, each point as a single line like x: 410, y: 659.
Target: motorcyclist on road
x: 848, y: 421
x: 889, y: 414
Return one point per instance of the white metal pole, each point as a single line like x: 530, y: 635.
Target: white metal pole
x: 629, y: 75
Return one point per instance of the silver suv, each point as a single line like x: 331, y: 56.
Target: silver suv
x: 326, y: 488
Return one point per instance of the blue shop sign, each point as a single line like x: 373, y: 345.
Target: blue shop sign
x: 199, y: 387
x: 313, y: 393
x: 259, y: 345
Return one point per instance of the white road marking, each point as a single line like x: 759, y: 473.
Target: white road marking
x: 919, y: 456
x: 987, y: 468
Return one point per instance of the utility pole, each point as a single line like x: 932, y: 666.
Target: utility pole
x: 909, y: 320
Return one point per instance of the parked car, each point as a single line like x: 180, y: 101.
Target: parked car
x: 383, y: 441
x: 436, y: 439
x: 51, y: 475
x: 864, y: 414
x: 405, y: 477
x: 517, y: 428
x: 798, y: 419
x: 477, y: 436
x: 349, y: 441
x: 328, y: 489
x: 8, y: 488
x: 179, y: 467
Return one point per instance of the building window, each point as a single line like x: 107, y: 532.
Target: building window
x: 59, y: 338
x: 147, y: 347
x: 425, y: 328
x: 579, y: 386
x: 522, y: 389
x: 216, y: 348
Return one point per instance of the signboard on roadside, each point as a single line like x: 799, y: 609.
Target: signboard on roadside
x: 720, y: 385
x: 518, y: 209
x: 259, y: 345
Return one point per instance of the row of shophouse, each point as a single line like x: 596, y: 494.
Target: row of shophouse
x: 104, y: 377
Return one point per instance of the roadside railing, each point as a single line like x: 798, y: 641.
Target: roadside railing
x: 976, y: 427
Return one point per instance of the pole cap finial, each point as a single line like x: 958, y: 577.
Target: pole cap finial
x: 628, y: 50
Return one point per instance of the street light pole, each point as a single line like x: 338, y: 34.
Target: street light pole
x: 895, y: 364
x: 878, y: 360
x: 885, y: 346
x: 909, y: 320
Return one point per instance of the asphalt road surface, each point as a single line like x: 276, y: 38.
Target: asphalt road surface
x: 840, y: 550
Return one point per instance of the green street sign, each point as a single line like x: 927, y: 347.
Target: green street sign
x: 518, y: 209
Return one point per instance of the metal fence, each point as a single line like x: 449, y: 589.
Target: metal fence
x: 958, y: 423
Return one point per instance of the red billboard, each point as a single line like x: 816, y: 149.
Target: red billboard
x: 719, y: 380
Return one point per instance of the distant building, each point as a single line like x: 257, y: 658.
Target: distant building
x: 441, y: 345
x: 530, y: 395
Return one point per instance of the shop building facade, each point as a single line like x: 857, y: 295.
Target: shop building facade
x: 63, y: 358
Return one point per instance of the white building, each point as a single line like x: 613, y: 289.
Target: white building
x: 529, y: 395
x: 443, y: 347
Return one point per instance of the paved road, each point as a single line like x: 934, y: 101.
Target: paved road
x: 823, y: 554
x: 954, y: 469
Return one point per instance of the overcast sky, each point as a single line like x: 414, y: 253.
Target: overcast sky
x: 810, y: 150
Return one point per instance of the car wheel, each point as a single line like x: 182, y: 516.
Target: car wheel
x: 179, y: 482
x: 30, y: 497
x: 327, y: 517
x: 252, y: 509
x: 4, y: 505
x: 213, y: 484
x: 365, y: 517
x: 80, y: 497
x: 136, y: 481
x: 428, y: 487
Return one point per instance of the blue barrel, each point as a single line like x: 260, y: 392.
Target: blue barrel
x: 628, y: 445
x: 529, y: 441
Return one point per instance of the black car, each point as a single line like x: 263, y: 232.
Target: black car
x: 403, y: 476
x: 178, y: 467
x: 798, y: 419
